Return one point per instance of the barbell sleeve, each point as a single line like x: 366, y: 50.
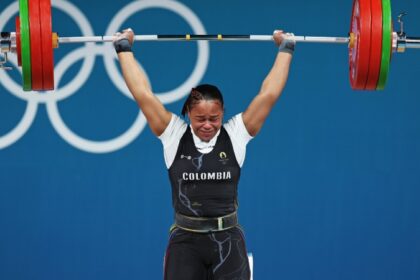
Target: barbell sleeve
x: 412, y: 42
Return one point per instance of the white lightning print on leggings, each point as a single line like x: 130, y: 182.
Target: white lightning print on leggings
x: 220, y: 247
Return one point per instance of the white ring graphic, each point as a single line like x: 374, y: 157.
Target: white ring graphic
x: 88, y: 53
x: 192, y: 20
x: 84, y: 144
x: 31, y: 108
x: 22, y: 127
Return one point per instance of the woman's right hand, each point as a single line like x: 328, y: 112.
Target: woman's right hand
x: 123, y: 41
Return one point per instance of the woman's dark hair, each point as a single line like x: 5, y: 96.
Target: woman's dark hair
x: 202, y: 92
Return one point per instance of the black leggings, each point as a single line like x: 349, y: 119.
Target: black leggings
x: 206, y: 256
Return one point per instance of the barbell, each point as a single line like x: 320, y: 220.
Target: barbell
x: 371, y: 42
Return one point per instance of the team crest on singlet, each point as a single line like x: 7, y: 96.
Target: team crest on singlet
x: 223, y: 158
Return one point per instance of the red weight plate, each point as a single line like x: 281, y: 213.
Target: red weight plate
x: 36, y: 47
x: 359, y: 55
x: 375, y: 45
x: 18, y: 45
x: 46, y: 39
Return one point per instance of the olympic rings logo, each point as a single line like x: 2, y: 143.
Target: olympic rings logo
x: 88, y: 53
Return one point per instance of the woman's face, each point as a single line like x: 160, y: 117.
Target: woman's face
x: 206, y: 118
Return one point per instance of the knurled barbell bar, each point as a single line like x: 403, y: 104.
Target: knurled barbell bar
x: 371, y: 42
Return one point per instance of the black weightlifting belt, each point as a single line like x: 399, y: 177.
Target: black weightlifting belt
x: 201, y: 224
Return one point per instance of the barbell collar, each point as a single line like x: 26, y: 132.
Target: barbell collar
x: 5, y: 42
x: 8, y: 42
x: 401, y: 43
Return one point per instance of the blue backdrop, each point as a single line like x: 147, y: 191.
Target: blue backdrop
x: 330, y: 188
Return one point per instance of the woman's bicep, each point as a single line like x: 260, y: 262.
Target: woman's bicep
x: 257, y: 112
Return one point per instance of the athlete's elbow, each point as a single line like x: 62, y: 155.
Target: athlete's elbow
x: 270, y: 95
x: 272, y: 89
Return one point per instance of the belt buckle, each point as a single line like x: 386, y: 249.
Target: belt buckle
x: 220, y: 223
